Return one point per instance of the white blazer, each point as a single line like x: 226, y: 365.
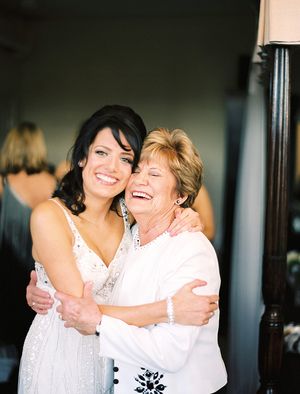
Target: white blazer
x: 164, y: 358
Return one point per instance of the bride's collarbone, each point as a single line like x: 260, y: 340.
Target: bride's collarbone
x: 107, y: 228
x: 103, y: 238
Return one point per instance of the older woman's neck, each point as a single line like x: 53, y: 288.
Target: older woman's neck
x: 152, y: 227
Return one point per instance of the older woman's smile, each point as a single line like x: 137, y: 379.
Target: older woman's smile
x: 141, y: 195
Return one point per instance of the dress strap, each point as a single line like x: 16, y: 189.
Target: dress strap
x: 124, y: 211
x: 68, y: 217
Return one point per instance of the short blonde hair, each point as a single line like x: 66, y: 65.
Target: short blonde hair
x: 183, y: 159
x: 24, y: 148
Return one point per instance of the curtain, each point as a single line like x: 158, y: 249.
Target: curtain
x: 246, y: 305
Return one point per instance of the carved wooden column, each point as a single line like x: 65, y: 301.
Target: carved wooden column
x: 274, y: 265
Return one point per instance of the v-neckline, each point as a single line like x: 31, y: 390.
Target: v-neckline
x: 96, y: 254
x: 92, y: 250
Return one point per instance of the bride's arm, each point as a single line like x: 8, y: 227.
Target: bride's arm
x: 186, y: 219
x: 52, y: 247
x: 190, y: 309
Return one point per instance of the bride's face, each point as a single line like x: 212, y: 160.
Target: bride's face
x: 107, y: 169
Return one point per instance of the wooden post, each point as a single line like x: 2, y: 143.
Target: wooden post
x: 274, y: 264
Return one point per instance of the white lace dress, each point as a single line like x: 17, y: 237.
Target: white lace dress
x: 57, y: 360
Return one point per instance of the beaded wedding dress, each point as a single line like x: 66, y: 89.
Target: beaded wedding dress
x: 59, y: 360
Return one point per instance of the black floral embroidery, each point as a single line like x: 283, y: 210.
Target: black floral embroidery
x: 149, y: 382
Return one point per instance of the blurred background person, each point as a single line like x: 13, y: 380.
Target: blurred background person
x: 203, y: 206
x: 61, y: 169
x: 25, y: 181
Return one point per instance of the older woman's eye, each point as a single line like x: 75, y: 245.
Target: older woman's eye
x: 154, y: 174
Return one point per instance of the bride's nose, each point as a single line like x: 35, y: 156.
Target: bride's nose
x: 112, y: 164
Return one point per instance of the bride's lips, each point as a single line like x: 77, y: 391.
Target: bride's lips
x: 106, y: 179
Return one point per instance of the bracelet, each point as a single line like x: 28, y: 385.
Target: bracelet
x: 170, y: 310
x: 98, y: 328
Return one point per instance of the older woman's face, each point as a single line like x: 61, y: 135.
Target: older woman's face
x: 151, y: 189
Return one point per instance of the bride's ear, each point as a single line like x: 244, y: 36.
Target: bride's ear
x: 82, y: 163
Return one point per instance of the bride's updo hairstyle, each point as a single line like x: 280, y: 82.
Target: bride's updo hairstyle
x: 182, y: 157
x: 118, y: 118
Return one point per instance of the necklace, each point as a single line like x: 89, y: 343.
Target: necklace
x: 137, y: 242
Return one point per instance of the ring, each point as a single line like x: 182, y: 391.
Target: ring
x: 60, y: 317
x: 33, y: 303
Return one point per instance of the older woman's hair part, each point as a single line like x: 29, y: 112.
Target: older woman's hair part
x: 182, y: 157
x: 24, y: 149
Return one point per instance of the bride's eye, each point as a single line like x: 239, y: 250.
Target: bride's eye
x: 101, y: 153
x: 127, y: 160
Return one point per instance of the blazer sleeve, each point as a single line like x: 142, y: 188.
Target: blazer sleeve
x: 162, y: 346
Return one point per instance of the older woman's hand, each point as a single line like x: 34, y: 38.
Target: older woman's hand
x: 80, y: 313
x: 192, y: 309
x: 39, y: 300
x: 186, y: 219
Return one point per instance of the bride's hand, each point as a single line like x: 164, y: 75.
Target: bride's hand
x: 39, y: 300
x: 192, y: 309
x: 186, y: 219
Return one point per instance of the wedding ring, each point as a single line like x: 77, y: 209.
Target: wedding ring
x: 33, y: 303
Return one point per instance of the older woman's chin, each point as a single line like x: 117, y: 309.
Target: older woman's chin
x: 135, y: 206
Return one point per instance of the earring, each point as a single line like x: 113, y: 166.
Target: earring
x: 177, y: 202
x: 80, y: 164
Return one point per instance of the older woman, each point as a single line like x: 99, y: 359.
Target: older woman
x: 165, y: 357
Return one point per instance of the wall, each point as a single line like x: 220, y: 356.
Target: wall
x: 14, y: 46
x: 174, y: 72
x: 9, y: 102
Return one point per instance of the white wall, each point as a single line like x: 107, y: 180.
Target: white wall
x: 174, y: 72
